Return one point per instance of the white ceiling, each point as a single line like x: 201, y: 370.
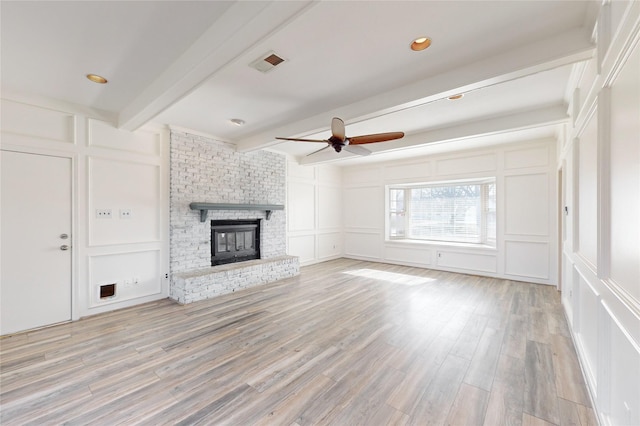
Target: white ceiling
x: 185, y: 64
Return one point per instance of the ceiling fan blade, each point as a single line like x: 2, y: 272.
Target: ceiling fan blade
x: 321, y: 149
x: 378, y: 137
x: 337, y: 128
x: 357, y: 149
x: 302, y: 140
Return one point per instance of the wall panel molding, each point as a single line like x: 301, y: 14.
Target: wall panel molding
x: 24, y: 122
x: 409, y: 255
x: 124, y: 268
x: 367, y: 199
x: 527, y: 204
x: 104, y: 135
x: 524, y: 158
x: 466, y: 261
x: 50, y: 127
x: 322, y: 201
x: 526, y: 259
x: 118, y: 185
x: 301, y: 206
x: 367, y: 245
x: 466, y: 165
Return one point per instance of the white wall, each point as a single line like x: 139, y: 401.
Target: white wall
x: 526, y: 221
x: 112, y: 169
x: 600, y: 261
x: 314, y: 212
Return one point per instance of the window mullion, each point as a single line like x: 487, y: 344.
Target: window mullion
x: 407, y: 212
x: 484, y: 210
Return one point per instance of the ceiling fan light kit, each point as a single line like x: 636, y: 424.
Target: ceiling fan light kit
x: 339, y: 140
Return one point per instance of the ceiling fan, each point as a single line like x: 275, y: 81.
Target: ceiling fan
x: 339, y: 140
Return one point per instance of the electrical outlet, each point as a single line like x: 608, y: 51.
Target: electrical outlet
x: 127, y: 282
x: 136, y: 280
x: 125, y: 213
x: 103, y: 213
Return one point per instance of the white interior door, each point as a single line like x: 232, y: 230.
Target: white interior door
x: 35, y: 268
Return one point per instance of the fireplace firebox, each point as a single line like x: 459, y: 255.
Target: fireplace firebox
x: 234, y: 241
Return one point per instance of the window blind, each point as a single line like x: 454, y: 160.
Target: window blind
x: 450, y: 211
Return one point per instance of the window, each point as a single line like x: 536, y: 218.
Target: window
x: 455, y: 211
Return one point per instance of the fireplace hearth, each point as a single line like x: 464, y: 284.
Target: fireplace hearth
x: 234, y: 241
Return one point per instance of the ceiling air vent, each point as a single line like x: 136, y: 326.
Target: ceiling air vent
x: 267, y: 62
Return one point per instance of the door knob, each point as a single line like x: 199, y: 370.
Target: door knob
x: 64, y: 247
x: 64, y: 236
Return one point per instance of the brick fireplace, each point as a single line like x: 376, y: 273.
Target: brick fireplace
x: 207, y: 170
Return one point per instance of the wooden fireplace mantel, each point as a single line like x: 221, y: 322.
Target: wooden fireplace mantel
x: 205, y: 207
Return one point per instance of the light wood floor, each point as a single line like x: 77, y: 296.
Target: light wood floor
x: 346, y: 343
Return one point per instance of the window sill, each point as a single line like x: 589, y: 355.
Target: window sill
x: 407, y: 242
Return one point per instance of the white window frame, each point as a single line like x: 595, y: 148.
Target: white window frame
x: 485, y: 241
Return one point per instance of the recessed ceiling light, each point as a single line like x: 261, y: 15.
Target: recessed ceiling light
x: 456, y: 97
x: 420, y: 43
x: 237, y: 121
x: 97, y: 78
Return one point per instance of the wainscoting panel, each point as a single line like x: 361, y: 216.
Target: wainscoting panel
x: 297, y: 172
x: 124, y: 173
x: 624, y: 191
x: 328, y: 175
x: 416, y: 256
x: 624, y: 363
x: 303, y: 246
x: 105, y: 135
x: 363, y: 244
x: 466, y: 165
x: 329, y: 207
x: 136, y: 274
x: 567, y: 288
x: 587, y: 328
x: 603, y: 196
x: 526, y: 201
x: 524, y: 158
x: 587, y: 187
x: 467, y: 261
x: 406, y: 172
x: 320, y: 218
x: 365, y: 207
x: 131, y: 191
x: 361, y: 176
x: 527, y: 259
x: 33, y: 121
x: 329, y: 245
x: 301, y: 208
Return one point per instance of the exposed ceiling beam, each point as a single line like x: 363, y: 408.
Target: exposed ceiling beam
x: 551, y: 115
x: 567, y: 48
x: 238, y: 29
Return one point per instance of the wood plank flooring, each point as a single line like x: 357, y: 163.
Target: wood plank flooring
x: 344, y: 343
